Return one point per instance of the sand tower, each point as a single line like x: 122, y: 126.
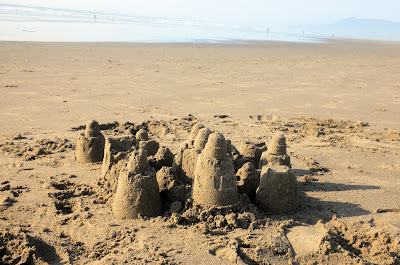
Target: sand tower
x: 142, y: 135
x: 276, y: 153
x: 163, y: 157
x: 116, y: 154
x: 277, y: 191
x: 137, y: 191
x: 190, y: 155
x: 189, y: 143
x: 248, y: 179
x: 193, y: 134
x: 170, y: 187
x: 90, y: 144
x: 143, y: 142
x: 214, y: 183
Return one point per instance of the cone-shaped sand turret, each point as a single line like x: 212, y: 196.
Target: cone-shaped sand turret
x: 214, y: 183
x: 201, y: 139
x: 142, y: 135
x: 190, y: 156
x: 137, y: 191
x: 193, y: 134
x: 276, y: 153
x: 277, y: 145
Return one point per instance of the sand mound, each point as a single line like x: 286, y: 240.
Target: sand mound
x: 211, y: 219
x: 252, y: 151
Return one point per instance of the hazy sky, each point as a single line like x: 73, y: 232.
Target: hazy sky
x: 238, y: 12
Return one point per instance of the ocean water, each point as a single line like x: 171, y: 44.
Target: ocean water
x: 28, y: 23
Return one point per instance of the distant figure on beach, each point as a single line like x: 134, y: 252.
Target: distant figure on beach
x: 94, y: 16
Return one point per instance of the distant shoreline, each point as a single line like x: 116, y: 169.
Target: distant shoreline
x: 212, y: 42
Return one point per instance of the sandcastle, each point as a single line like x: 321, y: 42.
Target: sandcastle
x: 129, y: 174
x: 137, y: 191
x: 277, y: 191
x: 214, y: 183
x: 90, y: 144
x: 189, y: 156
x: 276, y: 153
x: 143, y: 142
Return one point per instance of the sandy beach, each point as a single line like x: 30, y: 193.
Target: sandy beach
x: 337, y: 103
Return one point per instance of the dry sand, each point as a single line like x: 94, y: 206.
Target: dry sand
x: 337, y: 103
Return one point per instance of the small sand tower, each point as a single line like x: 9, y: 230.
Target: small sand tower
x: 201, y: 139
x: 214, y: 183
x: 193, y: 134
x: 190, y: 155
x: 277, y: 192
x: 248, y: 179
x: 137, y: 191
x: 276, y: 153
x: 116, y: 156
x: 145, y: 143
x: 189, y: 143
x: 90, y: 145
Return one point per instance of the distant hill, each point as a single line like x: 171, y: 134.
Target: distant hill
x: 375, y: 29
